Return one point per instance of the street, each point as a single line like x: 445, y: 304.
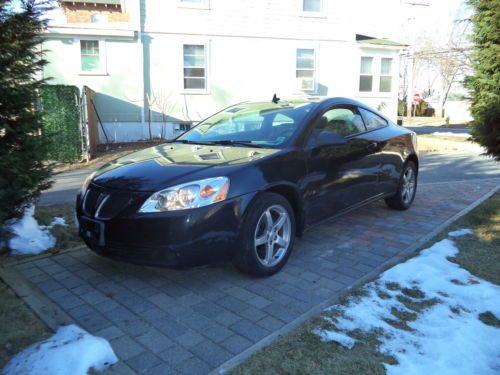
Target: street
x: 435, y: 129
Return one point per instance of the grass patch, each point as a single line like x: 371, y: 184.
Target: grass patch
x: 480, y: 253
x: 19, y: 326
x: 413, y: 293
x: 490, y: 319
x: 442, y: 143
x: 302, y: 352
x: 66, y: 236
x: 416, y: 306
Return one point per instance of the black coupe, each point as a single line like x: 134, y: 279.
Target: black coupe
x: 245, y: 182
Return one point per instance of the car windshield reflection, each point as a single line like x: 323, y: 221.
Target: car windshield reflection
x: 251, y: 125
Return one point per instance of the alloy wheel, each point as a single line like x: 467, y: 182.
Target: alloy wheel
x: 272, y: 235
x: 408, y: 188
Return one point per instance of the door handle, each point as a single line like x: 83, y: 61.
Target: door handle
x: 372, y: 146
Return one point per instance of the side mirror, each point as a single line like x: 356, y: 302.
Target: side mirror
x: 329, y: 138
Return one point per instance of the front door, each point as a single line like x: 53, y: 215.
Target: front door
x: 343, y: 174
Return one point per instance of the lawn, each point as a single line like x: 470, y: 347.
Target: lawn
x: 19, y: 326
x: 446, y: 143
x: 303, y: 352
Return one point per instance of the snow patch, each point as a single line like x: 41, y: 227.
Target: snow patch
x: 58, y: 221
x: 30, y: 237
x: 339, y: 338
x: 71, y: 350
x: 450, y: 134
x: 460, y: 233
x: 446, y: 338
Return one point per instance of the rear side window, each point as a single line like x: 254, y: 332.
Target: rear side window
x: 372, y: 121
x: 343, y: 121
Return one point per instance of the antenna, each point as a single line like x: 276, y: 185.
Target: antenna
x: 275, y: 99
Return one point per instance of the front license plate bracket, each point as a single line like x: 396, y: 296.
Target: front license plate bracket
x: 93, y: 230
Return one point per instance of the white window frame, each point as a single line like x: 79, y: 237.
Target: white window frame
x: 102, y: 57
x: 305, y: 13
x: 390, y: 75
x: 206, y: 44
x: 372, y: 74
x: 315, y: 70
x: 204, y: 4
x: 376, y: 74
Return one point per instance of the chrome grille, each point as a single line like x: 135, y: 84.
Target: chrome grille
x: 104, y: 204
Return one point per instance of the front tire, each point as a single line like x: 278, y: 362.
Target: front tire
x: 267, y: 236
x: 407, y: 188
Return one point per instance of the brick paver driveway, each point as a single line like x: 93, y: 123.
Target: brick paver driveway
x: 166, y: 321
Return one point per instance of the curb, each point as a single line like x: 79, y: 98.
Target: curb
x: 403, y: 256
x: 48, y: 312
x: 27, y: 259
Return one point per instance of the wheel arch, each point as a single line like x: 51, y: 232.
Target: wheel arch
x: 414, y: 158
x: 291, y: 194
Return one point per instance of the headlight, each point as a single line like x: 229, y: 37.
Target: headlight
x: 86, y: 183
x: 190, y: 195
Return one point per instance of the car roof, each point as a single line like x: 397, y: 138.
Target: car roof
x: 312, y: 99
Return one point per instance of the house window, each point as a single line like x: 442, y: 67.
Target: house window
x: 311, y: 6
x: 305, y: 69
x: 366, y: 74
x: 385, y: 75
x: 195, y: 69
x: 90, y: 56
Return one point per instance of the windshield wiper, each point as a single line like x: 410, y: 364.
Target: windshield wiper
x: 187, y: 141
x: 231, y: 142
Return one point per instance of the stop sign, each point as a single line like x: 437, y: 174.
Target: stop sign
x: 417, y: 97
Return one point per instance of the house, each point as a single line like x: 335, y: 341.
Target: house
x: 172, y: 63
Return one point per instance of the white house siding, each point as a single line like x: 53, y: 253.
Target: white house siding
x: 251, y: 55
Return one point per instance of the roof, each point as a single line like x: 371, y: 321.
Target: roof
x: 364, y: 39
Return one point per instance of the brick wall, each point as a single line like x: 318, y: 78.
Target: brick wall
x: 80, y: 13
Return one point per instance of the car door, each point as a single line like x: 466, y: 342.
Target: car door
x: 389, y: 152
x: 343, y: 163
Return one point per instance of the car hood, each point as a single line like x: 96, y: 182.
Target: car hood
x: 158, y: 167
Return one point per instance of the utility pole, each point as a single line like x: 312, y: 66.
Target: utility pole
x: 410, y: 70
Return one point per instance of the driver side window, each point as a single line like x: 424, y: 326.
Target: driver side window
x: 344, y: 121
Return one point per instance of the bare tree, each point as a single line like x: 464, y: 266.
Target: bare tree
x: 446, y: 63
x: 455, y: 62
x: 164, y: 104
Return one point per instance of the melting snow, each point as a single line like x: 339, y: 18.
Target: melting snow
x: 29, y: 237
x: 71, y: 350
x: 451, y: 134
x: 460, y: 233
x: 340, y: 338
x: 445, y: 338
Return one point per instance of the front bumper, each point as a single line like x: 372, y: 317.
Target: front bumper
x: 175, y: 239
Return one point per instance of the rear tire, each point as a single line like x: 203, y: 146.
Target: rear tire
x: 267, y: 236
x: 407, y: 188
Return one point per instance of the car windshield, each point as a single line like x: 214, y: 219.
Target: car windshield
x: 251, y: 124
